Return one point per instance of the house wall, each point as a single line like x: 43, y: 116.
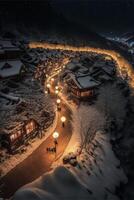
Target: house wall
x: 18, y: 137
x: 82, y: 93
x: 8, y: 54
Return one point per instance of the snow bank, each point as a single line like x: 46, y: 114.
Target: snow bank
x: 95, y: 177
x: 59, y: 184
x: 98, y: 168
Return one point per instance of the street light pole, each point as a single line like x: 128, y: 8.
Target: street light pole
x: 58, y: 104
x: 63, y: 119
x: 48, y: 88
x: 55, y: 136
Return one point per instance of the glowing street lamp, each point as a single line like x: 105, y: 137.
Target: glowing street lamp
x: 58, y: 104
x: 56, y: 87
x: 55, y: 136
x: 58, y: 101
x: 63, y: 119
x: 52, y: 79
x: 56, y: 92
x: 48, y: 87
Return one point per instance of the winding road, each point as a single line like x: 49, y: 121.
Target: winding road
x: 40, y: 161
x: 123, y: 66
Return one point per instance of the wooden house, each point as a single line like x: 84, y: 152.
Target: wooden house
x: 17, y: 134
x: 82, y: 87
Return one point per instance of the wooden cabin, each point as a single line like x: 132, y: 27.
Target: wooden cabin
x: 82, y: 87
x: 16, y: 135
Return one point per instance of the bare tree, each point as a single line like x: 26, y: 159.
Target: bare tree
x: 87, y: 120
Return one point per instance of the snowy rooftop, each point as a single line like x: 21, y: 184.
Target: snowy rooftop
x: 84, y: 82
x: 87, y: 82
x: 10, y: 68
x: 7, y: 44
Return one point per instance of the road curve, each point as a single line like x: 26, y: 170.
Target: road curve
x: 39, y: 161
x: 122, y: 64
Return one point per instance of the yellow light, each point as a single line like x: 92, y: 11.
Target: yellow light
x: 63, y: 119
x: 56, y: 91
x: 58, y: 101
x: 56, y: 87
x: 46, y: 92
x: 48, y: 85
x: 55, y: 135
x: 52, y: 79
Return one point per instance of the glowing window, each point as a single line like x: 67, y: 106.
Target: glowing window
x: 30, y: 127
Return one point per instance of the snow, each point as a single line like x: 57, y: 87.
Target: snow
x: 14, y: 160
x: 112, y: 103
x: 6, y: 44
x: 95, y: 178
x: 98, y: 169
x: 108, y: 69
x: 14, y: 67
x: 102, y: 166
x: 50, y: 186
x: 87, y: 82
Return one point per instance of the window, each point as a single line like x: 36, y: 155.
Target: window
x: 16, y: 135
x: 12, y: 137
x: 87, y: 93
x: 19, y: 133
x: 30, y: 127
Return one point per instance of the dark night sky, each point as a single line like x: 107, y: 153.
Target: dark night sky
x: 99, y: 15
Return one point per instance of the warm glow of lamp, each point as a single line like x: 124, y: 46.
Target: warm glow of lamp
x: 56, y: 91
x: 56, y: 87
x: 63, y: 119
x: 55, y: 135
x: 58, y: 101
x: 52, y: 79
x: 48, y: 85
x: 46, y: 92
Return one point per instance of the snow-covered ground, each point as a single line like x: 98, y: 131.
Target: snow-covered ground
x: 97, y: 172
x: 95, y: 176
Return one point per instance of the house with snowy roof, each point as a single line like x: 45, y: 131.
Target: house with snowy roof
x: 83, y: 86
x: 16, y: 133
x: 102, y: 71
x: 8, y: 50
x: 11, y: 68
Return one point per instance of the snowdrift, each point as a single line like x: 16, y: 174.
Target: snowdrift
x: 61, y: 184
